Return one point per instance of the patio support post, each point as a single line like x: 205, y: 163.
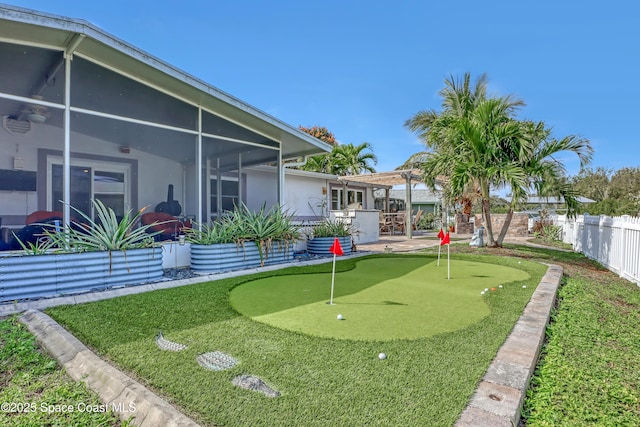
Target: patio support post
x: 280, y: 178
x: 240, y: 195
x: 66, y: 155
x: 345, y: 195
x: 199, y: 168
x: 386, y: 201
x: 407, y: 217
x: 218, y: 188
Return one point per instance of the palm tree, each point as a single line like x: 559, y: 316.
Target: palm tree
x: 459, y: 100
x: 319, y: 163
x: 534, y: 154
x: 438, y: 130
x: 349, y: 159
x: 474, y: 155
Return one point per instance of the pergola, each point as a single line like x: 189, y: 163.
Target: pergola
x: 388, y: 179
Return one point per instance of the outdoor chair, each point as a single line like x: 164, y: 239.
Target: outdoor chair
x: 385, y: 223
x: 416, y: 219
x: 400, y: 221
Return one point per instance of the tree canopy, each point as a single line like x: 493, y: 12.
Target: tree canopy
x: 476, y: 141
x: 614, y: 192
x: 344, y: 159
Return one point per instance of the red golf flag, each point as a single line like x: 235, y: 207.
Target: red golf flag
x: 336, y: 249
x: 441, y: 234
x: 446, y: 240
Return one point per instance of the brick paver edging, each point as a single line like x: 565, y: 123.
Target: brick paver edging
x: 498, y: 399
x: 127, y: 397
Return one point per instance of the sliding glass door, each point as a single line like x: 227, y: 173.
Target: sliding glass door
x: 104, y: 181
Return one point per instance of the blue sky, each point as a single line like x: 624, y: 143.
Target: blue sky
x: 361, y: 68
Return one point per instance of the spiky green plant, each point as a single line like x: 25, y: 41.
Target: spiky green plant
x: 332, y: 228
x: 242, y: 225
x: 41, y: 246
x: 216, y: 232
x: 107, y: 233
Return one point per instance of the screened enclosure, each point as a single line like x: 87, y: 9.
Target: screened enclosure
x: 87, y: 117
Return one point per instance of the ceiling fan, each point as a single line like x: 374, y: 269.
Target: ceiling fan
x: 36, y: 113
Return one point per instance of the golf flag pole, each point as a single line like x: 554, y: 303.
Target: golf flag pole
x: 336, y: 250
x: 446, y: 240
x: 440, y: 236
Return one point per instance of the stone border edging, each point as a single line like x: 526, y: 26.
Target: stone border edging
x: 499, y: 397
x: 116, y: 390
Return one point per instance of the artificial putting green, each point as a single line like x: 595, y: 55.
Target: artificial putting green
x: 381, y: 299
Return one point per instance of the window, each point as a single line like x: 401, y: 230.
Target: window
x: 229, y: 196
x: 353, y: 196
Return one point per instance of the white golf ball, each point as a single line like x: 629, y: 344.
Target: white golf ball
x: 524, y: 286
x: 340, y: 317
x: 382, y: 356
x: 482, y: 293
x: 500, y: 286
x: 519, y: 262
x: 486, y: 289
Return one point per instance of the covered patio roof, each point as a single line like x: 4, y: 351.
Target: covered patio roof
x: 386, y: 179
x: 237, y: 122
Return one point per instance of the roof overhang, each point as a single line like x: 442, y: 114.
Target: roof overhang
x: 25, y: 26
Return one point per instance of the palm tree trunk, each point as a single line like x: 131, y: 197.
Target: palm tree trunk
x: 484, y: 188
x: 487, y: 218
x: 505, y: 227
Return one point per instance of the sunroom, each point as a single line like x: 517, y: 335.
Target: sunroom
x: 86, y: 116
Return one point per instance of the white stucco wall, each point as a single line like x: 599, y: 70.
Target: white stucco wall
x: 154, y: 172
x: 303, y: 195
x: 262, y: 187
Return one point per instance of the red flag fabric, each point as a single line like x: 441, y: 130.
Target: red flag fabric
x: 441, y: 234
x: 446, y: 240
x: 336, y: 248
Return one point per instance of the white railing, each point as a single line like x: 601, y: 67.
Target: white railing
x: 612, y: 241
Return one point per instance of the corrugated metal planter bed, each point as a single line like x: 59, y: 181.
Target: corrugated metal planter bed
x: 321, y: 245
x: 221, y: 257
x: 37, y: 276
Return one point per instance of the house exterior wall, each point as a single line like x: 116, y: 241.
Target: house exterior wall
x: 304, y: 196
x: 262, y: 187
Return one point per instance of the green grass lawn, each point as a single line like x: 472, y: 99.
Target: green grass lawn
x: 588, y: 372
x: 34, y: 389
x: 323, y: 381
x: 381, y: 299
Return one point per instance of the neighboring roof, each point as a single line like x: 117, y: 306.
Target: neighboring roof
x: 538, y: 200
x: 37, y: 28
x: 417, y: 195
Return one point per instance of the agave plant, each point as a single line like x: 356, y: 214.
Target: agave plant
x: 244, y: 225
x: 216, y: 232
x: 329, y: 228
x: 41, y: 246
x: 106, y: 233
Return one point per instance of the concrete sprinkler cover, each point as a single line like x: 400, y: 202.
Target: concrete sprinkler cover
x: 164, y: 344
x: 250, y: 382
x: 216, y: 361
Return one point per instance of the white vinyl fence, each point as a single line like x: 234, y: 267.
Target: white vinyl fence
x: 612, y: 241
